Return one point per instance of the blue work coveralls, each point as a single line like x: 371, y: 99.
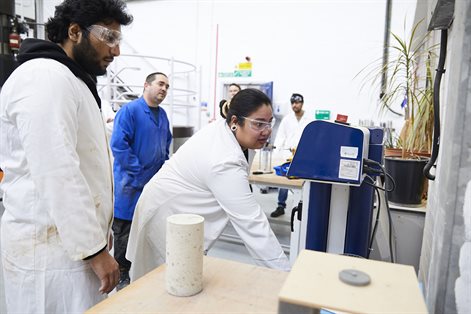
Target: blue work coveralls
x: 140, y: 146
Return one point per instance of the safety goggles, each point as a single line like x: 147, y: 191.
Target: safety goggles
x: 296, y: 98
x: 108, y: 36
x: 258, y: 125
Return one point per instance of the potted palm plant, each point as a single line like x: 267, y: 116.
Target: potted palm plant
x: 410, y: 84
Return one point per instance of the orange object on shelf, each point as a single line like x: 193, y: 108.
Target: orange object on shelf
x: 341, y: 118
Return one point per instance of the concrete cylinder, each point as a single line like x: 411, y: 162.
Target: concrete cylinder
x: 184, y: 254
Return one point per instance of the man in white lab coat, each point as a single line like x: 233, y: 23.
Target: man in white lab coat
x: 208, y: 176
x: 287, y: 139
x: 57, y: 189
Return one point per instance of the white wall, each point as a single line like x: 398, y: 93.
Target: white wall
x: 311, y: 47
x: 314, y: 47
x: 25, y: 8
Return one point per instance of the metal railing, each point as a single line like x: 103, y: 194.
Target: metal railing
x: 125, y: 77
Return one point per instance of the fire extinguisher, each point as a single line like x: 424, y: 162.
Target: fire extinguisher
x: 14, y: 41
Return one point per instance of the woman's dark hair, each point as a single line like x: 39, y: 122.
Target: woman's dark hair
x: 222, y: 102
x: 236, y: 85
x: 221, y: 108
x: 244, y: 103
x: 85, y: 13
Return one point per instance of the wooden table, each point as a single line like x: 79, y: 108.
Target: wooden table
x: 314, y: 283
x: 228, y: 287
x: 271, y: 179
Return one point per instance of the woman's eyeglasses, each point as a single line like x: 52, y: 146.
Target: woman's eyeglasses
x: 109, y: 37
x: 258, y: 125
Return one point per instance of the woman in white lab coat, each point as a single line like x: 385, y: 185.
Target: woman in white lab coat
x: 208, y: 176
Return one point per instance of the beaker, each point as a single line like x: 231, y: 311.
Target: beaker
x: 265, y: 159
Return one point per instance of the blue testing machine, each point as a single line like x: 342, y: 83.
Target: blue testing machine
x: 337, y: 203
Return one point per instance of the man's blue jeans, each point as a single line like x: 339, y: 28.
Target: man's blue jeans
x: 282, y: 197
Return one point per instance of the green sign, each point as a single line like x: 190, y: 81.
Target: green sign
x: 243, y: 73
x: 322, y: 114
x: 226, y: 74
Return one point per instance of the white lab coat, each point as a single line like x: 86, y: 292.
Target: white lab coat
x: 107, y: 114
x: 289, y: 133
x: 57, y: 189
x: 207, y: 176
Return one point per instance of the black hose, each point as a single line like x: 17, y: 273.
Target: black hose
x: 373, y: 162
x: 436, y: 106
x: 391, y: 250
x: 375, y: 226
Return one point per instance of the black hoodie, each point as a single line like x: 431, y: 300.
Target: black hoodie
x: 36, y: 48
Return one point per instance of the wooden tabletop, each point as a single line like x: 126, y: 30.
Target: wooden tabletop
x: 271, y: 179
x: 314, y: 282
x: 228, y: 287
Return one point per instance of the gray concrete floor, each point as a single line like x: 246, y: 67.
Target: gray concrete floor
x: 232, y: 250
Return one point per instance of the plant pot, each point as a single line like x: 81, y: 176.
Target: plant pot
x: 397, y: 152
x: 409, y: 178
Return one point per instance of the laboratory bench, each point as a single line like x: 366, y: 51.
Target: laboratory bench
x: 313, y: 283
x: 228, y: 287
x: 271, y: 179
x: 316, y: 282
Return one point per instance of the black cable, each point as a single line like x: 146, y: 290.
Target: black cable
x: 436, y: 106
x: 380, y: 188
x: 366, y: 165
x: 377, y: 188
x: 373, y: 233
x: 370, y: 170
x: 393, y: 183
x: 370, y: 162
x: 372, y: 183
x: 390, y: 228
x: 373, y: 162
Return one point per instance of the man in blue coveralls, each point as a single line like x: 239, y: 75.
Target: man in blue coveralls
x: 140, y: 143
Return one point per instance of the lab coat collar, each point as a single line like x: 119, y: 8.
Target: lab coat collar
x: 32, y: 48
x: 237, y: 146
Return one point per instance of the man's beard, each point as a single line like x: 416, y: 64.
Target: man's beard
x: 87, y: 57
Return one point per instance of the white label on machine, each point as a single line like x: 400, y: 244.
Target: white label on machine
x: 349, y: 169
x: 348, y: 152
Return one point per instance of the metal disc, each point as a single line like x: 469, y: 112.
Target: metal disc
x: 354, y: 277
